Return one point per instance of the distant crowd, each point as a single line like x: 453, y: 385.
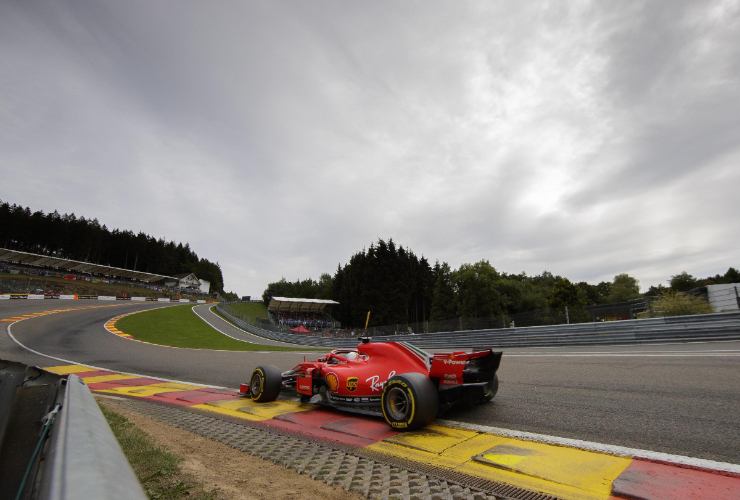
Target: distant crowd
x: 310, y: 320
x: 14, y: 285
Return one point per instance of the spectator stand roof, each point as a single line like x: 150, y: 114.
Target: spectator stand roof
x: 76, y: 266
x: 293, y: 305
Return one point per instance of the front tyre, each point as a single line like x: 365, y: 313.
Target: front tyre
x: 265, y: 383
x: 409, y: 401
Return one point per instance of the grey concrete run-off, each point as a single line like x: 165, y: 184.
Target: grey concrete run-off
x: 706, y: 327
x: 86, y: 460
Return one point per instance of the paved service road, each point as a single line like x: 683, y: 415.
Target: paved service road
x: 675, y: 398
x: 205, y: 312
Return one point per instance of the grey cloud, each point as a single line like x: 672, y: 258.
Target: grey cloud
x: 280, y: 137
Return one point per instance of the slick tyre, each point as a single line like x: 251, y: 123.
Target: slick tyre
x: 265, y: 383
x: 490, y: 391
x: 409, y: 401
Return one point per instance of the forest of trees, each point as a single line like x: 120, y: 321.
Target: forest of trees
x: 70, y: 237
x: 399, y: 287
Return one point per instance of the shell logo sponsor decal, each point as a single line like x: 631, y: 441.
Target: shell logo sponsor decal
x: 332, y: 381
x: 352, y: 383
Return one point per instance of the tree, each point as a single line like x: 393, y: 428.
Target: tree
x: 683, y: 282
x: 564, y: 293
x: 656, y: 291
x: 476, y: 290
x: 732, y: 276
x: 624, y: 288
x: 387, y: 279
x: 443, y: 296
x: 70, y: 237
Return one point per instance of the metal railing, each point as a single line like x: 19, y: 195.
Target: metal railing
x: 86, y: 461
x: 55, y: 443
x: 717, y: 326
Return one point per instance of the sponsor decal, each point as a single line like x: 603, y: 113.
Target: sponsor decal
x: 454, y: 362
x: 375, y: 384
x: 352, y: 383
x: 332, y: 382
x: 304, y: 387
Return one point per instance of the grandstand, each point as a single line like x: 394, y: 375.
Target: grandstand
x: 16, y: 262
x: 301, y: 314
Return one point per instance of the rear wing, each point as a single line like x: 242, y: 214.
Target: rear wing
x: 463, y: 367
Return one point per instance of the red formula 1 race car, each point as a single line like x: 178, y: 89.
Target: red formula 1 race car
x: 404, y: 384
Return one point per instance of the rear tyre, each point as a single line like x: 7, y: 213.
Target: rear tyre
x: 490, y: 391
x: 265, y: 383
x: 409, y: 401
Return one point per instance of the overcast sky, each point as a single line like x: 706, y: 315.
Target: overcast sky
x: 279, y: 138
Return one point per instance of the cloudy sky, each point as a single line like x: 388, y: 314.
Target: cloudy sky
x: 278, y: 138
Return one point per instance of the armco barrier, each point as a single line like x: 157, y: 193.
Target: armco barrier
x: 106, y: 297
x: 86, y: 461
x: 138, y: 299
x: 718, y: 326
x: 55, y: 443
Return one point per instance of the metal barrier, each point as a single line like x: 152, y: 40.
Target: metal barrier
x: 85, y: 460
x: 717, y: 326
x: 55, y: 443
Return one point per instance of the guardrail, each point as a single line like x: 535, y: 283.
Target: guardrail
x: 86, y: 461
x: 717, y: 326
x: 55, y: 443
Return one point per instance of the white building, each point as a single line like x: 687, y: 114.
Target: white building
x: 193, y: 283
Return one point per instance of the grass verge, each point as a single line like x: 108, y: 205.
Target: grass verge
x: 178, y: 326
x: 248, y: 311
x: 157, y: 469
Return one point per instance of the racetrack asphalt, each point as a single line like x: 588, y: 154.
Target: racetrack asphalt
x: 675, y: 398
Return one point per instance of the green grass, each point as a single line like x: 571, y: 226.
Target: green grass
x: 158, y: 470
x: 248, y: 311
x: 178, y: 326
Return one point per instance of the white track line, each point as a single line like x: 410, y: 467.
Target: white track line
x: 288, y: 344
x: 218, y: 329
x: 655, y: 456
x: 622, y: 451
x: 133, y: 339
x: 73, y: 362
